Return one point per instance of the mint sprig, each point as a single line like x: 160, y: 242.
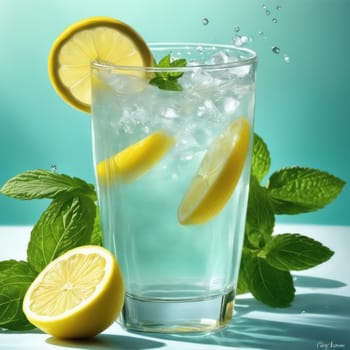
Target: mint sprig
x: 267, y: 259
x: 15, y: 279
x: 297, y: 190
x: 168, y: 80
x: 72, y: 219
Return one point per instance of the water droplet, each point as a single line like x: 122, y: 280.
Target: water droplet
x: 274, y: 20
x: 286, y: 58
x: 303, y: 312
x: 53, y: 167
x: 262, y: 35
x: 239, y: 40
x: 236, y: 29
x: 267, y: 12
x: 205, y: 21
x: 278, y: 7
x: 264, y: 6
x: 276, y: 49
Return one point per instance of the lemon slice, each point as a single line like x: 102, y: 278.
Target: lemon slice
x: 77, y: 295
x: 217, y: 176
x: 93, y: 39
x: 135, y: 160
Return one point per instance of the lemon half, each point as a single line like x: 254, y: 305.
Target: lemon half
x: 101, y: 39
x: 77, y: 295
x: 217, y: 176
x: 135, y: 160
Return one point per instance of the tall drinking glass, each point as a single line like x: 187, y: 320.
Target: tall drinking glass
x: 172, y: 149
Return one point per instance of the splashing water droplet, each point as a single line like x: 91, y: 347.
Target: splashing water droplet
x: 274, y: 20
x: 239, y: 40
x: 286, y: 58
x: 276, y: 49
x: 236, y: 29
x: 262, y: 35
x: 53, y: 167
x: 205, y: 21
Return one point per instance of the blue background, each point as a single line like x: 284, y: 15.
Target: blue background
x: 302, y: 108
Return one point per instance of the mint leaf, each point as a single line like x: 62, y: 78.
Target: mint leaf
x: 299, y: 190
x: 167, y: 80
x: 179, y: 63
x: 67, y: 223
x: 261, y: 160
x: 270, y: 285
x: 37, y: 184
x: 15, y: 278
x: 166, y: 84
x: 295, y: 252
x: 96, y: 235
x: 260, y: 216
x: 248, y: 264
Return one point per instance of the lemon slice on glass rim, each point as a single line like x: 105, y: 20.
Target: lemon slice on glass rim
x: 217, y: 176
x: 101, y: 39
x: 77, y: 295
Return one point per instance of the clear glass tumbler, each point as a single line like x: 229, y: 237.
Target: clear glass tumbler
x: 172, y: 149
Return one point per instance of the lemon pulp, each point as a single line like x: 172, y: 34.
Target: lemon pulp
x: 77, y: 295
x: 135, y: 160
x: 217, y: 176
x: 101, y: 39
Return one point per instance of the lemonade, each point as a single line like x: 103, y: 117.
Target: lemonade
x: 172, y: 171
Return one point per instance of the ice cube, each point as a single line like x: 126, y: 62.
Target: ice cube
x: 124, y: 83
x: 230, y: 105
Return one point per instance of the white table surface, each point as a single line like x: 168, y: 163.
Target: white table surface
x: 319, y: 317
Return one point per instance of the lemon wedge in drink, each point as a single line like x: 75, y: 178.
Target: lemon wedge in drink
x: 101, y: 39
x: 217, y: 176
x: 77, y: 295
x: 135, y: 160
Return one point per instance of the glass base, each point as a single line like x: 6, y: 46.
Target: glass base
x: 177, y: 316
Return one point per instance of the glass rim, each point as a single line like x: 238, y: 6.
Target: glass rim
x: 251, y: 58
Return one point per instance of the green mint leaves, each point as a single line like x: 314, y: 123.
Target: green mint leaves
x: 67, y: 223
x: 71, y: 220
x: 168, y: 80
x: 300, y: 190
x: 37, y: 184
x: 267, y: 259
x: 15, y: 279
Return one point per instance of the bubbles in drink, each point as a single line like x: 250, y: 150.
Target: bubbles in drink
x: 274, y: 20
x: 276, y: 49
x: 170, y: 113
x: 205, y: 21
x: 199, y: 49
